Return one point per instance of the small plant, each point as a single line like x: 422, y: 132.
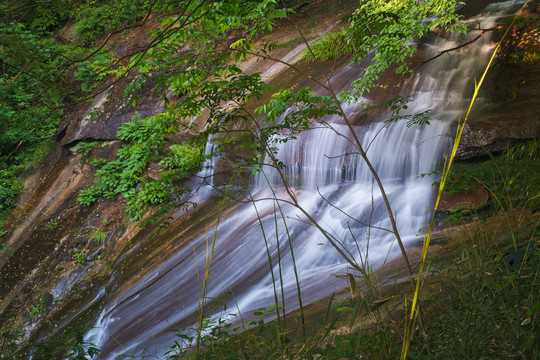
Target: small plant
x: 10, y: 188
x: 89, y: 195
x: 527, y: 150
x: 37, y: 310
x: 74, y: 293
x: 99, y: 237
x: 69, y: 345
x: 5, y: 248
x: 98, y: 163
x: 84, y: 148
x: 126, y: 177
x: 184, y: 156
x: 80, y: 257
x: 10, y: 337
x: 91, y: 73
x: 53, y: 225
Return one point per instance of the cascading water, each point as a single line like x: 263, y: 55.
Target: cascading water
x: 329, y: 181
x: 205, y: 183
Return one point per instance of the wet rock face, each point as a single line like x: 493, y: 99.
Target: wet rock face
x: 109, y: 110
x: 497, y: 131
x: 508, y: 110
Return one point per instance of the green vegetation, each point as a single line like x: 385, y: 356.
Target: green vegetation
x: 80, y: 257
x: 511, y: 178
x: 185, y: 156
x: 481, y: 305
x: 37, y: 310
x: 9, y: 189
x: 99, y: 18
x: 99, y: 237
x: 480, y: 301
x: 125, y: 176
x: 525, y: 150
x: 92, y: 72
x: 36, y: 70
x: 489, y: 302
x: 84, y: 148
x: 10, y: 336
x: 388, y: 28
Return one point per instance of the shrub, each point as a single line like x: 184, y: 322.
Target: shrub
x: 80, y: 257
x: 99, y: 20
x: 91, y: 72
x: 84, y: 148
x: 125, y: 176
x: 89, y: 195
x: 10, y: 187
x: 183, y: 156
x: 99, y: 237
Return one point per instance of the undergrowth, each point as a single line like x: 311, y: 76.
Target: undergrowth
x: 485, y: 306
x: 512, y: 178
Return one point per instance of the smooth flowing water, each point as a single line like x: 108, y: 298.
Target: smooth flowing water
x: 332, y: 183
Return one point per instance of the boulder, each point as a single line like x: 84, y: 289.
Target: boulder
x: 498, y: 128
x: 472, y: 199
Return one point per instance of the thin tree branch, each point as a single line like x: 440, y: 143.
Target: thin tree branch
x: 441, y: 53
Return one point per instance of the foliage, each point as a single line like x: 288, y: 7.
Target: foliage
x: 184, y: 156
x: 99, y: 237
x: 9, y: 189
x: 10, y: 337
x: 387, y: 28
x: 70, y: 346
x: 89, y: 195
x: 511, y: 182
x: 92, y: 72
x: 265, y: 338
x: 29, y: 97
x: 99, y: 18
x: 206, y: 79
x: 37, y: 310
x: 84, y: 148
x: 121, y: 177
x: 31, y: 84
x: 36, y: 61
x: 521, y: 47
x: 332, y: 45
x: 490, y: 303
x: 209, y: 82
x: 80, y: 257
x: 4, y: 248
x: 526, y: 150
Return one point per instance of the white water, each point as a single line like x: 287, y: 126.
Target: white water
x: 319, y: 161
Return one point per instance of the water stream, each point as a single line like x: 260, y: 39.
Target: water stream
x: 330, y: 182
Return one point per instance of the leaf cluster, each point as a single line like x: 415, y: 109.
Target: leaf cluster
x: 184, y: 156
x: 384, y: 31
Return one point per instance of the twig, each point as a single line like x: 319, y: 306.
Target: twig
x: 441, y: 53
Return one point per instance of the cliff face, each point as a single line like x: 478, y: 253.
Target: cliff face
x: 49, y: 230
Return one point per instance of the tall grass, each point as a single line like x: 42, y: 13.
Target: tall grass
x: 445, y: 173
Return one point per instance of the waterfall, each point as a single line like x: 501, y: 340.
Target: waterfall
x: 331, y: 182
